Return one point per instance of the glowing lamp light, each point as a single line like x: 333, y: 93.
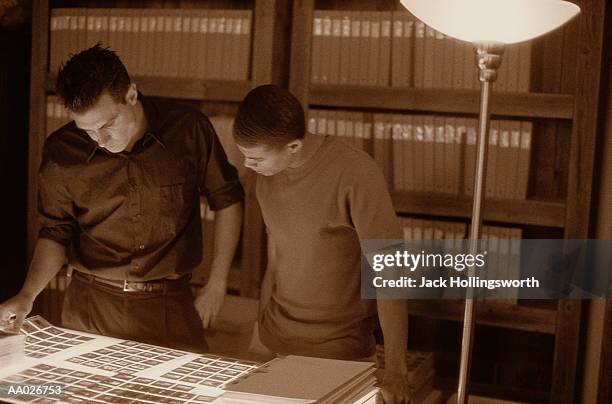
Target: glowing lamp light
x: 505, y: 21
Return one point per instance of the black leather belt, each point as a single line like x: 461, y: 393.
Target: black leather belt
x: 153, y: 286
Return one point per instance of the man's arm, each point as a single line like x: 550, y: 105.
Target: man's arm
x: 228, y: 222
x: 49, y: 257
x: 393, y: 316
x: 267, y: 284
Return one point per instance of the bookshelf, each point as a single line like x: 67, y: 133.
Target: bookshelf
x: 269, y: 17
x: 562, y: 104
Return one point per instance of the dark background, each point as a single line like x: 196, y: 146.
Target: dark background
x: 15, y: 47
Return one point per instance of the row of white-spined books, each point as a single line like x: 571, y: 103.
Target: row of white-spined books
x: 432, y: 153
x: 387, y: 48
x: 300, y: 379
x: 502, y: 244
x: 183, y: 43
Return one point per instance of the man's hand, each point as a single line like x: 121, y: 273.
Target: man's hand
x: 14, y: 311
x: 209, y: 301
x: 395, y: 388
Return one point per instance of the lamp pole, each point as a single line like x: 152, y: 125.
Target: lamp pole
x: 488, y: 59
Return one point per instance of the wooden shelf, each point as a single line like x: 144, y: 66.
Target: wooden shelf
x: 531, y: 212
x: 187, y: 89
x: 489, y: 313
x: 530, y: 105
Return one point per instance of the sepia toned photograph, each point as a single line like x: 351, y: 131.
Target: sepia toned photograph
x: 306, y: 201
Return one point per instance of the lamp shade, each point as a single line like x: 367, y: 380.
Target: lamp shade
x: 505, y: 21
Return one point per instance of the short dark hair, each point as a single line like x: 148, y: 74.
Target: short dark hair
x: 269, y: 115
x: 86, y: 75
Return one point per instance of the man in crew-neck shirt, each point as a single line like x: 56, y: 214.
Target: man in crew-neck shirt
x: 319, y: 197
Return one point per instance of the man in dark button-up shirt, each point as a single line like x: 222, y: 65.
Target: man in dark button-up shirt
x: 119, y: 191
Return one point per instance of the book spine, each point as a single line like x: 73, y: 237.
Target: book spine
x: 317, y: 41
x: 384, y: 69
x: 345, y: 49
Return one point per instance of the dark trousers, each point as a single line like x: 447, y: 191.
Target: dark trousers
x: 160, y: 318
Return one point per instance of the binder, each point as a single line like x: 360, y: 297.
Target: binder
x: 326, y: 48
x: 470, y: 72
x: 54, y: 39
x: 459, y: 63
x: 374, y: 48
x: 459, y: 155
x: 73, y: 32
x: 364, y: 48
x: 131, y: 20
x: 512, y: 60
x: 379, y: 133
x: 330, y: 130
x: 341, y: 124
x: 439, y: 45
x: 524, y: 76
x: 384, y: 68
x: 113, y: 35
x: 470, y: 156
x: 398, y: 152
x: 355, y: 48
x: 439, y: 155
x: 524, y: 159
x: 311, y: 121
x: 358, y: 130
x: 503, y: 160
x: 317, y: 40
x: 418, y: 136
x: 449, y: 62
x: 408, y: 153
x: 515, y: 144
x: 82, y: 29
x: 321, y: 122
x: 216, y: 27
x: 159, y: 45
x: 203, y: 46
x: 345, y: 48
x: 245, y: 44
x: 491, y: 174
x: 349, y: 118
x: 408, y: 53
x: 228, y: 61
x: 428, y: 153
x: 450, y: 174
x: 429, y: 57
x: 334, y: 55
x: 397, y: 66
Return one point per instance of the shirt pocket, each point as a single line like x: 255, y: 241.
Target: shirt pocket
x: 177, y: 193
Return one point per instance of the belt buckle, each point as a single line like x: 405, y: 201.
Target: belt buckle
x: 127, y: 287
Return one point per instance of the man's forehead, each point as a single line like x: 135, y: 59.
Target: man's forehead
x: 256, y: 150
x: 101, y: 112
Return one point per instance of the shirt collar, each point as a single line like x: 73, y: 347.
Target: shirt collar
x: 151, y: 115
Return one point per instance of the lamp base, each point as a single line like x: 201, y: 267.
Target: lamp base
x: 488, y: 59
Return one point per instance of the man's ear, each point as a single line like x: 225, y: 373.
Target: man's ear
x: 295, y: 145
x: 131, y: 96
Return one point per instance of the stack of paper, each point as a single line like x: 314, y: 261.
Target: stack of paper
x: 420, y: 372
x: 299, y: 379
x: 11, y: 347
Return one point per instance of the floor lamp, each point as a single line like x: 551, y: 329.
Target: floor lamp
x: 489, y: 25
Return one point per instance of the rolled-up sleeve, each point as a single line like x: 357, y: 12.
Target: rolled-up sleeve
x: 218, y: 179
x: 55, y: 208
